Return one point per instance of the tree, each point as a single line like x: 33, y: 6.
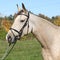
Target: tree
x: 45, y: 17
x: 10, y: 17
x: 56, y: 20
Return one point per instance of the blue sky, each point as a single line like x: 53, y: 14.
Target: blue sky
x: 47, y: 7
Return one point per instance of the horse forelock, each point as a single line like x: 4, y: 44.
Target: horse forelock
x: 19, y: 13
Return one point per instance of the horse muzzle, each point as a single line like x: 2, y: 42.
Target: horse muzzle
x: 10, y: 39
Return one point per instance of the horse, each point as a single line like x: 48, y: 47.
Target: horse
x: 45, y: 32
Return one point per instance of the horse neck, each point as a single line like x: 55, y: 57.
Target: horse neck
x: 43, y: 29
x: 41, y: 23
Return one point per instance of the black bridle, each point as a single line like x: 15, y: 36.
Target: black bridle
x: 21, y: 30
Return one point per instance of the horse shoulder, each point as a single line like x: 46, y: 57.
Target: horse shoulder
x: 55, y: 48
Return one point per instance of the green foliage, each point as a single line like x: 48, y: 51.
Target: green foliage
x: 0, y: 22
x: 2, y: 34
x: 1, y: 18
x: 10, y: 17
x: 56, y: 20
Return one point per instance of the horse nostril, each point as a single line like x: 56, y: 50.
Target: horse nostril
x: 9, y: 39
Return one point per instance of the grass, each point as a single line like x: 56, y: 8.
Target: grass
x: 28, y: 49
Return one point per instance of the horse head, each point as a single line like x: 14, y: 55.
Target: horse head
x: 21, y: 25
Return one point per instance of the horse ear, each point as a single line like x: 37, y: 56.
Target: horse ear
x: 23, y: 7
x: 18, y: 7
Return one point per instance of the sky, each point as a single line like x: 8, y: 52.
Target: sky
x: 47, y: 7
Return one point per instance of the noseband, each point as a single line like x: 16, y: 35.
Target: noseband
x: 21, y: 30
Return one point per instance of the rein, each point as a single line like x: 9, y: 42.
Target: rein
x: 21, y: 30
x: 8, y: 50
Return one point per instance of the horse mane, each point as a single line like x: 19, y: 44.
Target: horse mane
x: 41, y: 17
x: 33, y: 13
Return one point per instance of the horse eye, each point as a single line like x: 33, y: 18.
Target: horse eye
x: 22, y: 20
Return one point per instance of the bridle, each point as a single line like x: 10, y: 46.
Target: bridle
x: 21, y: 30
